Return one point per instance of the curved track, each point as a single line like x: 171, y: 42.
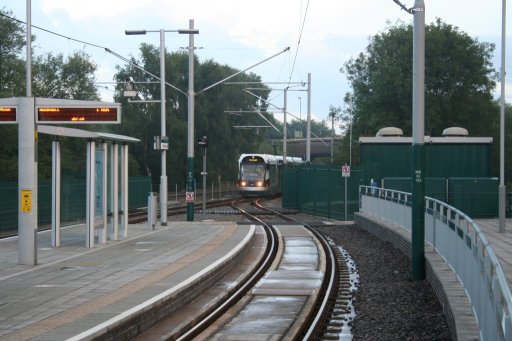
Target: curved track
x: 261, y: 269
x: 314, y: 304
x: 322, y: 321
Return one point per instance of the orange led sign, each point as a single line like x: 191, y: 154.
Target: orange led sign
x: 8, y: 115
x: 85, y: 115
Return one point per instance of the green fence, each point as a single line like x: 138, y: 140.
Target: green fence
x: 320, y: 190
x: 477, y: 197
x: 73, y: 199
x: 434, y: 187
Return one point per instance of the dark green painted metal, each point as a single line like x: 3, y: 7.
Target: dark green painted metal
x: 320, y: 190
x: 418, y: 212
x: 73, y: 199
x: 383, y: 160
x: 477, y: 197
x: 190, y: 187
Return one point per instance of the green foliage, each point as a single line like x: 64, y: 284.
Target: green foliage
x: 225, y: 143
x: 458, y: 81
x: 53, y: 77
x: 12, y: 67
x: 72, y: 78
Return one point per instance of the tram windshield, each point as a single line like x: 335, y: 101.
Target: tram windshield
x: 252, y: 172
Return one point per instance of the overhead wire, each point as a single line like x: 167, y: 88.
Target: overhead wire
x: 51, y: 32
x: 106, y: 49
x: 298, y: 42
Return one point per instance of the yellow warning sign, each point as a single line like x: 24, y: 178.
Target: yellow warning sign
x: 26, y: 200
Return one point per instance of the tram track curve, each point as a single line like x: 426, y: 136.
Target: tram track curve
x: 243, y: 288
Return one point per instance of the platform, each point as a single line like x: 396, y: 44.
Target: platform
x: 79, y: 293
x: 501, y: 243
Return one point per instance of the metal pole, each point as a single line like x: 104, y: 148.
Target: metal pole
x: 204, y: 183
x: 163, y: 177
x: 56, y: 193
x: 502, y: 188
x: 308, y: 125
x: 418, y: 143
x: 27, y: 164
x: 90, y: 207
x: 350, y: 134
x: 284, y: 124
x: 332, y: 139
x: 346, y: 196
x: 29, y: 50
x: 190, y: 146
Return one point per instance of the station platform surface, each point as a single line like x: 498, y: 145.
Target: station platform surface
x: 76, y: 292
x: 501, y: 243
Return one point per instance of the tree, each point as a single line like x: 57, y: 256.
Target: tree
x: 225, y: 143
x: 12, y: 67
x: 53, y: 77
x: 70, y: 78
x: 459, y: 80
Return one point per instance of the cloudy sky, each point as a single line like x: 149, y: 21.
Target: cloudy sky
x: 242, y: 33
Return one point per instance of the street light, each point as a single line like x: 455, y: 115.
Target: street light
x: 163, y: 137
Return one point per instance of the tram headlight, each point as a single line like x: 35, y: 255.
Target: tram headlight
x: 243, y: 183
x: 259, y: 184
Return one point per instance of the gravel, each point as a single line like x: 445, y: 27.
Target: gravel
x: 389, y: 305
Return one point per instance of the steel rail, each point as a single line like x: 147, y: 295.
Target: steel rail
x: 261, y: 269
x: 314, y: 330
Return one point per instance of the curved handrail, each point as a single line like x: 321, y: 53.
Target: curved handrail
x: 499, y: 295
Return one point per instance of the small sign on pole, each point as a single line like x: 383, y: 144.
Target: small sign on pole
x: 189, y: 196
x: 345, y: 171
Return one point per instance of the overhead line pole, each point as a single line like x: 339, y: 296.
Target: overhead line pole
x: 308, y: 125
x: 285, y: 132
x: 502, y: 187
x: 190, y: 145
x: 418, y: 143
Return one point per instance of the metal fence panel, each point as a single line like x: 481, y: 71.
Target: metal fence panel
x: 73, y: 199
x: 320, y: 190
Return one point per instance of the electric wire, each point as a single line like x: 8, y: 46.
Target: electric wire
x: 54, y: 33
x: 298, y: 42
x: 126, y: 60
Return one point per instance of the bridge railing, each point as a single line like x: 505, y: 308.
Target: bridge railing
x: 463, y: 245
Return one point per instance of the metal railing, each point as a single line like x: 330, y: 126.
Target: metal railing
x: 463, y: 245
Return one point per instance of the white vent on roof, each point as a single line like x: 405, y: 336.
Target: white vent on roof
x: 455, y: 131
x: 390, y: 131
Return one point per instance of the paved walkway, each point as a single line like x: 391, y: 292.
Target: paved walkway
x: 75, y: 292
x: 501, y: 243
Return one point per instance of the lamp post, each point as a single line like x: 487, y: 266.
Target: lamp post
x: 162, y: 145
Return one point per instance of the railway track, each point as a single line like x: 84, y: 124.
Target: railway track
x: 329, y: 318
x: 141, y: 215
x: 322, y: 313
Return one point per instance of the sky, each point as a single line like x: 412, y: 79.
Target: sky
x: 322, y: 36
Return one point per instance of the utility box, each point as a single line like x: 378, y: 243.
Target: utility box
x: 152, y: 209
